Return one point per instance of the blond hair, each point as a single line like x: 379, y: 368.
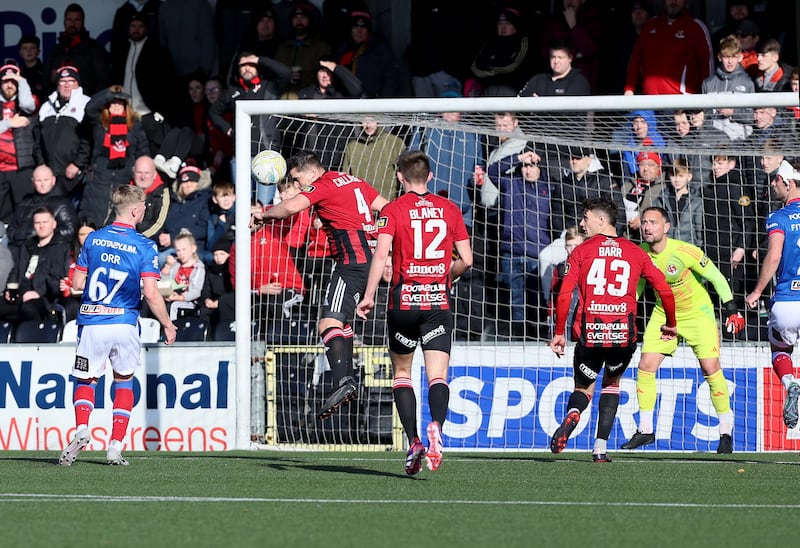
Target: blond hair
x: 124, y: 196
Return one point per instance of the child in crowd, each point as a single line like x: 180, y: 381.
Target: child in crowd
x: 186, y: 272
x: 730, y: 77
x: 684, y: 204
x: 217, y: 296
x: 223, y: 214
x: 572, y: 239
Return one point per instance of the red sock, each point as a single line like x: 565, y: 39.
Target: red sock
x: 83, y: 401
x: 782, y: 364
x: 123, y: 403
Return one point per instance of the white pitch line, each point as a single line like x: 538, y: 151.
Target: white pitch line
x: 24, y: 497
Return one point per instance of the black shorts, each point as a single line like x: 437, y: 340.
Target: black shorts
x: 432, y: 328
x: 587, y: 362
x: 345, y: 290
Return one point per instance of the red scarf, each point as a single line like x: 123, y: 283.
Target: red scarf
x: 251, y: 85
x: 116, y: 139
x: 9, y: 109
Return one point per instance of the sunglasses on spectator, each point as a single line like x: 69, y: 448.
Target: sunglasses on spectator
x: 248, y: 64
x: 213, y: 89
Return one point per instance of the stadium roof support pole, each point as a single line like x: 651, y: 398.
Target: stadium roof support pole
x: 242, y: 296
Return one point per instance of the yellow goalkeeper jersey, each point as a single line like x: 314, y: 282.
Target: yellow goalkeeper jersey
x: 685, y: 266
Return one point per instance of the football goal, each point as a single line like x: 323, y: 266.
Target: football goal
x: 706, y: 159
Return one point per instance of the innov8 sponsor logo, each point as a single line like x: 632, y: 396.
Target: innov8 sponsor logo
x: 607, y: 308
x: 163, y: 390
x: 426, y: 269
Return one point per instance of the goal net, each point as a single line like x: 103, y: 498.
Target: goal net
x: 705, y: 159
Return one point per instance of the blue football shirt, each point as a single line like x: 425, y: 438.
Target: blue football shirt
x: 787, y: 221
x: 115, y: 259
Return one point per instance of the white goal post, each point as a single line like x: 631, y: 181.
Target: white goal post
x: 563, y: 111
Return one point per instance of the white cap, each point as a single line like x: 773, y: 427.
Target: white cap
x: 787, y: 172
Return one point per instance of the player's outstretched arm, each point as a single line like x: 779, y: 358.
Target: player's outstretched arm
x: 286, y: 208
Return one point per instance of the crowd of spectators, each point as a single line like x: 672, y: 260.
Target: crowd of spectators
x: 156, y: 110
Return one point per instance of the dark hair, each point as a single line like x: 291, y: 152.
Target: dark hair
x: 561, y: 44
x: 29, y: 39
x: 303, y: 160
x: 82, y: 222
x: 678, y: 165
x: 75, y: 8
x: 661, y: 211
x: 769, y: 46
x: 44, y: 209
x: 603, y: 204
x: 414, y: 165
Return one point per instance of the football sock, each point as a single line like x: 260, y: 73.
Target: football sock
x: 438, y: 399
x: 123, y: 403
x: 406, y: 403
x: 336, y: 344
x: 607, y: 410
x: 783, y: 367
x: 721, y: 400
x: 83, y: 401
x: 600, y: 446
x: 578, y: 401
x: 646, y: 395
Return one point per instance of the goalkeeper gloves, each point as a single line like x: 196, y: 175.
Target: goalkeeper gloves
x: 735, y: 321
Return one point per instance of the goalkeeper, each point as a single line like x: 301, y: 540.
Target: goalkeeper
x: 684, y: 265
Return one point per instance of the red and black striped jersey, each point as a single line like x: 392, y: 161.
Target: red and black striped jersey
x: 343, y: 203
x: 424, y: 228
x: 606, y: 270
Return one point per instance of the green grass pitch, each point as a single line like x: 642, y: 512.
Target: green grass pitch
x: 330, y: 499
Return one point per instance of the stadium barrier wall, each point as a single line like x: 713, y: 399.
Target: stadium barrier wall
x: 502, y: 398
x: 184, y: 400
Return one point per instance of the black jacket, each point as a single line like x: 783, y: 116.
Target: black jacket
x: 22, y: 228
x: 52, y: 266
x: 264, y: 131
x: 88, y: 56
x: 155, y: 76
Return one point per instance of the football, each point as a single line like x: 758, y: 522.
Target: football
x: 268, y: 167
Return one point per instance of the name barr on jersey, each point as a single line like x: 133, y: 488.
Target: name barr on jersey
x: 609, y: 252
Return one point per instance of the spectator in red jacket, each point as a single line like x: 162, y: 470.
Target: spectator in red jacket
x: 672, y: 54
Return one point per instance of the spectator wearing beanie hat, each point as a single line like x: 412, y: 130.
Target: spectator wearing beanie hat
x: 190, y: 208
x: 303, y: 50
x: 640, y: 192
x: 59, y: 118
x: 17, y: 104
x: 262, y: 38
x: 503, y: 64
x: 368, y: 55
